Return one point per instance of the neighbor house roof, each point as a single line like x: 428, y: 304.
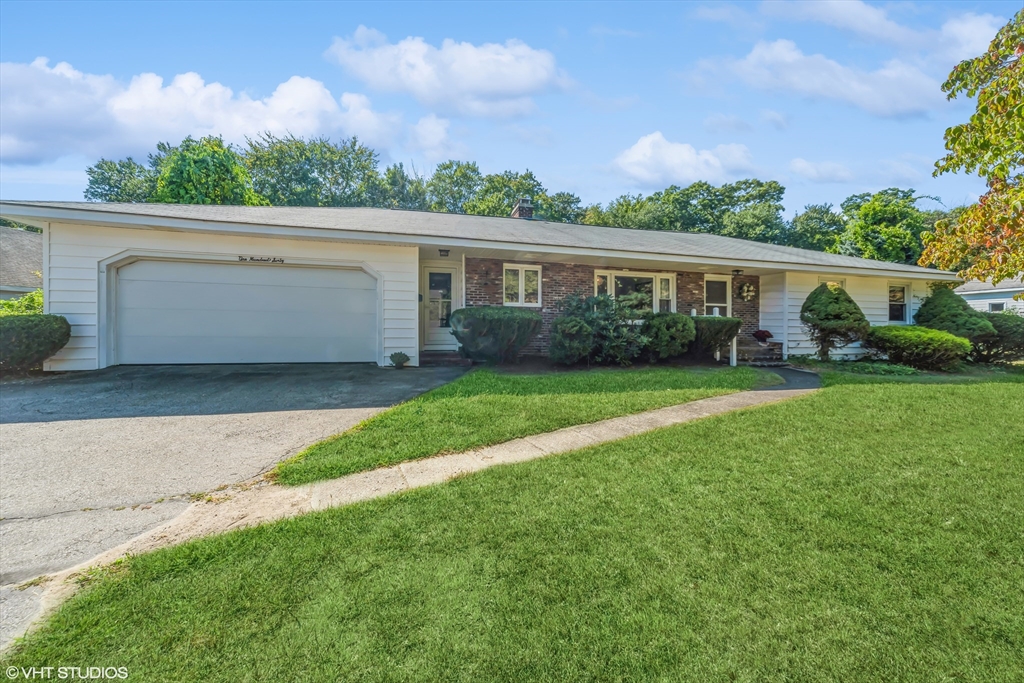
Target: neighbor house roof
x: 21, y: 258
x: 447, y: 228
x: 987, y: 286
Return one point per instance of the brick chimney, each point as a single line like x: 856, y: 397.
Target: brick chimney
x: 523, y: 208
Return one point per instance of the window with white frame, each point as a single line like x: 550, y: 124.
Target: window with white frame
x: 659, y: 288
x: 995, y: 307
x: 897, y: 303
x: 521, y: 285
x: 716, y: 295
x: 832, y: 281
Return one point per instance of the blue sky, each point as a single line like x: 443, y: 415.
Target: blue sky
x: 600, y: 99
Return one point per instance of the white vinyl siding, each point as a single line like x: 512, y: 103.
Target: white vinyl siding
x: 71, y: 268
x: 870, y: 293
x: 980, y: 300
x: 772, y: 302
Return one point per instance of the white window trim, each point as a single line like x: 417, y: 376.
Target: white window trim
x: 521, y: 267
x: 728, y: 293
x: 671, y: 277
x: 906, y: 303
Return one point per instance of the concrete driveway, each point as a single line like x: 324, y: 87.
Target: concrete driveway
x: 91, y: 460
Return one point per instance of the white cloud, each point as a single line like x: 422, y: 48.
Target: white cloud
x: 429, y: 136
x: 51, y: 112
x: 653, y: 160
x: 967, y: 35
x: 474, y: 80
x: 728, y: 14
x: 821, y: 172
x: 725, y: 123
x: 776, y: 119
x: 896, y: 89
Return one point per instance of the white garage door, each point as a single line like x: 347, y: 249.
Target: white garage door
x: 185, y: 312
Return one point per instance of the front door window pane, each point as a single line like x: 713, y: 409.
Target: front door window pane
x: 512, y: 285
x: 716, y: 295
x: 439, y: 307
x: 531, y: 286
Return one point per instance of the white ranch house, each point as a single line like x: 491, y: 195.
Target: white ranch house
x: 163, y: 283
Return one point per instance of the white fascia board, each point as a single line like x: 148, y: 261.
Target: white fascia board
x: 116, y: 219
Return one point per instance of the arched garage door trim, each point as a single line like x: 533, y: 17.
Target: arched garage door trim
x: 107, y: 289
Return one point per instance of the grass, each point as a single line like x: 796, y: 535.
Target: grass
x: 487, y: 407
x: 867, y: 532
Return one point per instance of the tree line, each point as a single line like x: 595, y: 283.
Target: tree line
x: 271, y: 170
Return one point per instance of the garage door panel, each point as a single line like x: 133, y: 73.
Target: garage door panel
x: 182, y: 312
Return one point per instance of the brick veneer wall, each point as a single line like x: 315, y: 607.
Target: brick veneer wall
x: 558, y: 280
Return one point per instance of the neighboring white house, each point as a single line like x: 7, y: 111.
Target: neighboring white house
x: 164, y: 283
x: 984, y: 296
x: 21, y: 262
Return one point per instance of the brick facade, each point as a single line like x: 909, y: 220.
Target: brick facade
x: 484, y: 279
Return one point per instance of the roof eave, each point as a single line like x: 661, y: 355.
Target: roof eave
x: 36, y: 215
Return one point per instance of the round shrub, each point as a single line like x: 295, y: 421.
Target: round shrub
x: 668, y: 335
x: 1007, y: 345
x: 832, y: 318
x: 572, y: 340
x: 946, y: 310
x: 918, y: 347
x: 712, y: 332
x: 495, y: 334
x: 28, y: 340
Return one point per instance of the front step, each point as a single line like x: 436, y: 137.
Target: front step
x: 431, y: 359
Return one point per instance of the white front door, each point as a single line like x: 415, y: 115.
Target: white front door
x: 438, y: 287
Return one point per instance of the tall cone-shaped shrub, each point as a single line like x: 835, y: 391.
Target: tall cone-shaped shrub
x: 832, y: 318
x: 946, y: 310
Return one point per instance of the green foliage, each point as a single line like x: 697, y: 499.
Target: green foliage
x: 399, y: 190
x: 817, y: 228
x: 452, y: 186
x: 205, y: 171
x: 291, y: 171
x: 918, y: 347
x: 120, y: 181
x: 19, y: 226
x: 399, y: 359
x: 712, y: 332
x: 1007, y: 345
x: 616, y: 329
x: 29, y: 304
x: 885, y: 226
x: 946, y: 310
x: 832, y: 318
x: 561, y: 207
x: 668, y: 335
x: 498, y: 193
x: 28, y: 340
x: 495, y: 334
x: 572, y: 340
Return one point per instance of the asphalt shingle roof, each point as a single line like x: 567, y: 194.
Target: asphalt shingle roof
x: 516, y: 232
x: 985, y: 286
x: 21, y: 258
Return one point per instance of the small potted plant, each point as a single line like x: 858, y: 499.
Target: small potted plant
x: 762, y: 336
x: 399, y: 359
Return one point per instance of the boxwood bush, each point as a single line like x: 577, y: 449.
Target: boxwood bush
x: 1007, y: 345
x: 668, y: 335
x: 712, y: 332
x: 572, y: 340
x: 28, y: 340
x: 495, y: 334
x: 832, y: 318
x: 918, y: 347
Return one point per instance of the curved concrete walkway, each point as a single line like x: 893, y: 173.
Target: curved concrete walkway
x: 262, y: 501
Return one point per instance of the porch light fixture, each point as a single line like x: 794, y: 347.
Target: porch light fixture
x: 737, y: 272
x: 444, y: 252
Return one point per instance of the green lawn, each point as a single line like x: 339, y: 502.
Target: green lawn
x: 867, y: 532
x: 487, y: 407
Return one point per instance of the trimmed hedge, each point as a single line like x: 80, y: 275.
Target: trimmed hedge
x: 918, y: 347
x: 668, y: 335
x: 1007, y: 345
x: 832, y: 318
x: 712, y: 332
x: 946, y: 310
x: 28, y: 340
x: 572, y: 340
x: 495, y: 334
